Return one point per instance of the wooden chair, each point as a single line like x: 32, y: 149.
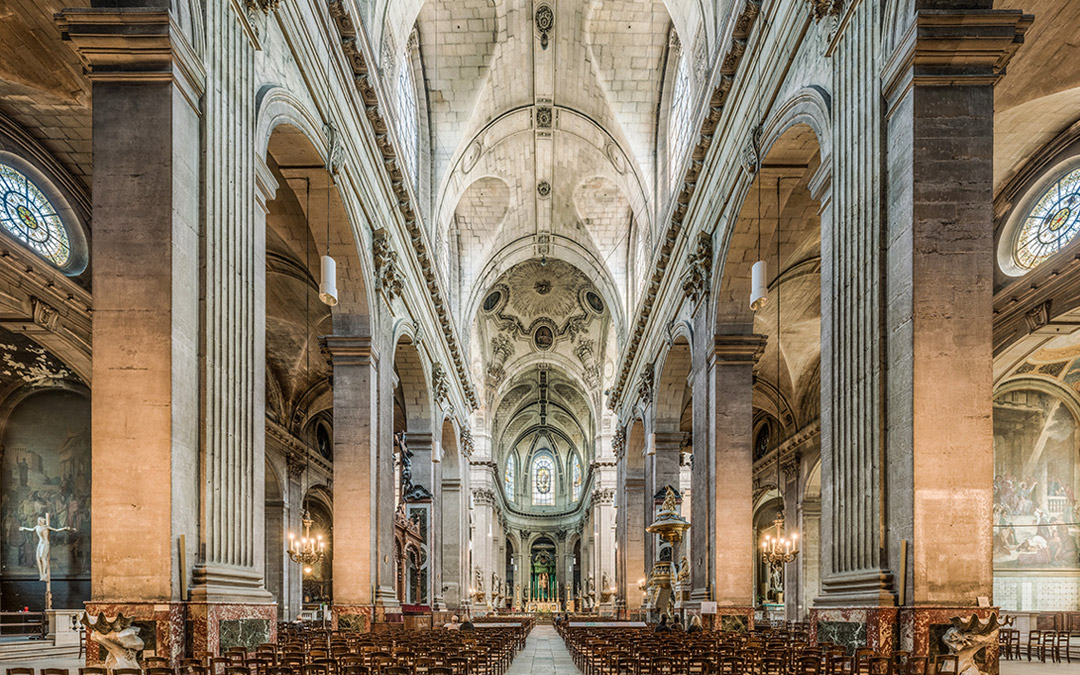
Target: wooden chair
x: 20, y: 671
x: 64, y: 671
x: 156, y: 670
x: 91, y: 670
x: 127, y: 671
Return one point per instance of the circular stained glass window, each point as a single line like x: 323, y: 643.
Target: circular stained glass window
x: 27, y: 214
x: 492, y: 300
x: 1051, y: 223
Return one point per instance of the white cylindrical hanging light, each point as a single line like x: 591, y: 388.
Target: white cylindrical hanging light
x: 328, y: 282
x: 759, y: 290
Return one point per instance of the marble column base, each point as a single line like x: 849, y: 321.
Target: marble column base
x: 176, y: 630
x: 353, y: 617
x: 886, y: 629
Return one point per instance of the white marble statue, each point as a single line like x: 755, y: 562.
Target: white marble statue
x: 42, y: 530
x: 119, y: 638
x: 967, y: 637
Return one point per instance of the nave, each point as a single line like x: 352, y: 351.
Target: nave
x: 345, y: 318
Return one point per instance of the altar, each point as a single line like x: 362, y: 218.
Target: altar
x: 543, y: 607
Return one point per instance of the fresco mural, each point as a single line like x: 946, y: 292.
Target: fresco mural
x: 45, y: 468
x: 1036, y: 480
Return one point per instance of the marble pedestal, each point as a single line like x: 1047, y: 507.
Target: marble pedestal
x: 175, y: 630
x: 917, y: 630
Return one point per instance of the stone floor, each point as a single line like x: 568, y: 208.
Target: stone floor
x: 544, y: 653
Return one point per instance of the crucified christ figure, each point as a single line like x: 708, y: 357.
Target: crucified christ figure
x: 42, y: 529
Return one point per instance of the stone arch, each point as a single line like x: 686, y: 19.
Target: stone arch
x: 293, y: 144
x: 673, y: 388
x: 413, y: 382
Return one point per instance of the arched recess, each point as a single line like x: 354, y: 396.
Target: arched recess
x: 633, y: 510
x: 673, y: 390
x: 275, y: 520
x: 810, y: 551
x: 768, y: 582
x: 453, y: 519
x: 45, y: 469
x: 293, y: 142
x: 318, y: 584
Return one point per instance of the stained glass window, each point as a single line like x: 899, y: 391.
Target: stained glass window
x: 31, y: 218
x: 508, y: 477
x: 679, y: 122
x: 543, y: 481
x: 1051, y: 223
x: 408, y: 117
x: 575, y: 478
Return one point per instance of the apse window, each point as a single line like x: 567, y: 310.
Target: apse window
x: 1051, y: 223
x: 29, y: 216
x: 543, y: 474
x: 508, y: 477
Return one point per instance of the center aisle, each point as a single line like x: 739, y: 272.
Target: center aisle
x: 544, y: 653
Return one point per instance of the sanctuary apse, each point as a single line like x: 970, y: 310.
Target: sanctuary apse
x: 375, y: 312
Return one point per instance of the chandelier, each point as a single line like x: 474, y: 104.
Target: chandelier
x: 306, y: 550
x: 782, y: 548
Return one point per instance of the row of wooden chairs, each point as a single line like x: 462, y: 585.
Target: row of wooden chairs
x: 626, y: 651
x: 1057, y: 646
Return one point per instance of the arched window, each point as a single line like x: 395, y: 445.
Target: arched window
x: 408, y: 117
x: 29, y: 216
x: 1051, y: 222
x: 543, y: 480
x: 575, y: 479
x: 508, y: 476
x: 679, y: 122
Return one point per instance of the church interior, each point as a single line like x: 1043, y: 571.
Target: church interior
x: 487, y: 337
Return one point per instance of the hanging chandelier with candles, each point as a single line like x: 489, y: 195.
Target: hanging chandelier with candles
x: 779, y: 548
x: 306, y: 550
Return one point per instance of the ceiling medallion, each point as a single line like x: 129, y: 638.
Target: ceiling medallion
x: 544, y: 337
x: 543, y: 117
x: 543, y: 287
x: 543, y: 189
x: 545, y: 22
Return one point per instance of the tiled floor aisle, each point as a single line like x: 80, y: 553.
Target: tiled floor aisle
x: 544, y: 653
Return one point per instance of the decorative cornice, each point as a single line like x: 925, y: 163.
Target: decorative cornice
x: 346, y: 350
x: 603, y: 496
x: 954, y: 47
x: 402, y: 190
x: 483, y: 496
x: 820, y: 9
x: 134, y: 45
x: 745, y: 21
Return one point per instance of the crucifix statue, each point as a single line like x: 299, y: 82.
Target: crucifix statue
x: 42, y: 530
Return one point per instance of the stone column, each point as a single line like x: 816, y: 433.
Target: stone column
x: 723, y: 566
x: 424, y: 475
x: 147, y: 86
x: 939, y: 309
x: 662, y: 470
x: 912, y: 327
x: 356, y: 377
x: 454, y: 545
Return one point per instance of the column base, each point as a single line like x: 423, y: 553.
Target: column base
x: 176, y: 630
x: 353, y: 617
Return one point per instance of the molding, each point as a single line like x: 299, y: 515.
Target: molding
x: 354, y: 47
x: 347, y: 350
x: 744, y: 23
x: 134, y: 45
x: 954, y: 48
x: 731, y: 349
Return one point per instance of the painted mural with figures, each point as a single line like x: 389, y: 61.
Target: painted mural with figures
x: 1036, y: 479
x: 46, y: 469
